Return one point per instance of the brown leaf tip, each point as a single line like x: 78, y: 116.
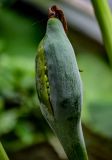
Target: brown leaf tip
x: 57, y: 12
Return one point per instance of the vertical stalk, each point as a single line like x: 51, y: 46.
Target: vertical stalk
x: 78, y: 150
x: 104, y: 17
x: 3, y: 155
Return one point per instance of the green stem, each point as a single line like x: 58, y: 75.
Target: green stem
x: 104, y: 17
x: 77, y: 149
x: 3, y: 155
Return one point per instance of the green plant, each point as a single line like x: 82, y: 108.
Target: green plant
x: 103, y: 14
x: 104, y: 17
x: 59, y: 86
x: 3, y: 155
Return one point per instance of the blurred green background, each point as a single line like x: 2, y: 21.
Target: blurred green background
x: 23, y: 131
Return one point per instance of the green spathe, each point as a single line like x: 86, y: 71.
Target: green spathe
x: 63, y: 74
x: 65, y: 86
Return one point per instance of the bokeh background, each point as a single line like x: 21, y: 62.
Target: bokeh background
x: 23, y: 131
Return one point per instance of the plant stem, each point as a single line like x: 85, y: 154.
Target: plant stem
x: 3, y: 155
x: 104, y: 17
x: 77, y: 151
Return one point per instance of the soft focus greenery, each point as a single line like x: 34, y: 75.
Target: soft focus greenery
x: 98, y: 83
x: 98, y: 94
x: 21, y: 123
